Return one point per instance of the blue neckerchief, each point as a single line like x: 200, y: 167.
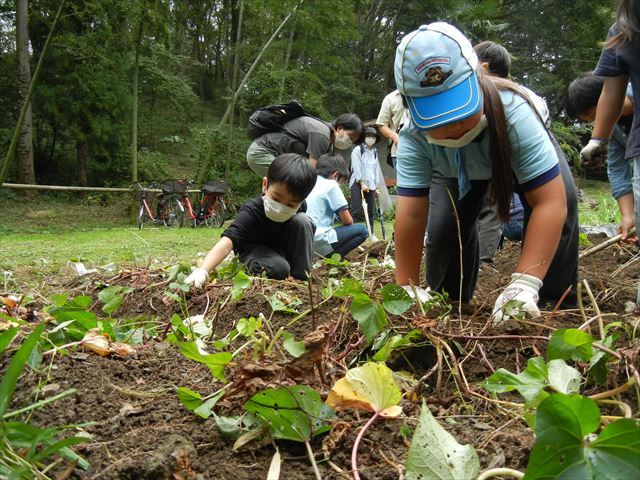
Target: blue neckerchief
x: 464, y: 185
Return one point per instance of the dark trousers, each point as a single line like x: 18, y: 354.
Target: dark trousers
x: 292, y: 258
x: 356, y: 204
x: 442, y: 252
x: 349, y: 237
x: 443, y: 255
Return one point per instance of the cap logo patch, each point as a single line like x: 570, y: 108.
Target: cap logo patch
x: 435, y: 76
x: 430, y: 61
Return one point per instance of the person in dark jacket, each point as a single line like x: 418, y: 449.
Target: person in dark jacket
x: 306, y: 136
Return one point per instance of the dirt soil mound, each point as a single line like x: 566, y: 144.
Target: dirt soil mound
x: 138, y: 428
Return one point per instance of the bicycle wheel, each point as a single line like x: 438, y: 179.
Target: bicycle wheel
x: 173, y: 214
x: 215, y: 214
x: 141, y: 215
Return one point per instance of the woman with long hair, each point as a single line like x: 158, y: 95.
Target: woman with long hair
x: 468, y: 130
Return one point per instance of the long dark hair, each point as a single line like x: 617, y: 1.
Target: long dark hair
x: 499, y: 145
x: 496, y: 56
x: 628, y: 19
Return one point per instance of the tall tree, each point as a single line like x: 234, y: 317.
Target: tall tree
x: 552, y: 42
x: 26, y: 171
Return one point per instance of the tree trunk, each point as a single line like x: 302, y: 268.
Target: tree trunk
x: 18, y: 129
x: 134, y: 109
x: 234, y: 81
x: 81, y: 162
x: 26, y: 171
x: 287, y: 57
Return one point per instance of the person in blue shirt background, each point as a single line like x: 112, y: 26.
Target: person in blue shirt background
x: 325, y: 201
x: 467, y: 130
x: 581, y: 102
x: 365, y: 175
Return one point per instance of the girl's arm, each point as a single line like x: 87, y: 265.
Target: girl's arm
x: 548, y: 213
x: 218, y: 253
x: 411, y: 221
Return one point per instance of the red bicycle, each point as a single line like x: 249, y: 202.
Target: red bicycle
x: 143, y: 195
x: 174, y: 201
x: 212, y: 210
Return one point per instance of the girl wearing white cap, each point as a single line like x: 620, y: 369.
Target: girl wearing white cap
x: 468, y: 131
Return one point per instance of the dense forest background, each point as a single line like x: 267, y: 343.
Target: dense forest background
x: 142, y: 89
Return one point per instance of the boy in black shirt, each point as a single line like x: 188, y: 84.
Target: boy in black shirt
x: 271, y: 233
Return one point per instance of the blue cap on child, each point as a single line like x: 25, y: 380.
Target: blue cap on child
x: 435, y: 69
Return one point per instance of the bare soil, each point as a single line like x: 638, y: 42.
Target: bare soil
x: 140, y: 430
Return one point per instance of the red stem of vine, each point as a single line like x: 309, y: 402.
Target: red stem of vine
x: 354, y: 452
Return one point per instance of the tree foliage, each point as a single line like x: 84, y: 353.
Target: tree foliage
x: 333, y: 57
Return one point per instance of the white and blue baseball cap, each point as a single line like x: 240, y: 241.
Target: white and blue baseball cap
x: 435, y: 68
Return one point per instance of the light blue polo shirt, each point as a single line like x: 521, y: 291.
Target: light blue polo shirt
x: 323, y: 203
x: 532, y: 153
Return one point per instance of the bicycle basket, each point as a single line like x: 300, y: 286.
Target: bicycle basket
x: 169, y: 187
x: 214, y: 186
x: 140, y: 194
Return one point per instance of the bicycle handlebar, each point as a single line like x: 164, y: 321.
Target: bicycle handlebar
x: 140, y: 186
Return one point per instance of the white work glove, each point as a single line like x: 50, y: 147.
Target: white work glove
x: 198, y: 277
x: 423, y: 295
x: 518, y: 298
x: 594, y: 153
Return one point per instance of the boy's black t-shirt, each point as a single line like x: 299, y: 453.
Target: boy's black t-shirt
x: 252, y: 227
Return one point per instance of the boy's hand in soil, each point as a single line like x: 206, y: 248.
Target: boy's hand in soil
x: 198, y: 277
x: 518, y: 298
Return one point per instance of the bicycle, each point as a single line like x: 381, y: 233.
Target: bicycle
x: 173, y: 201
x: 144, y: 209
x: 212, y: 210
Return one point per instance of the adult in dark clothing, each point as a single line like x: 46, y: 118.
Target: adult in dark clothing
x: 619, y: 63
x: 306, y: 136
x: 272, y: 234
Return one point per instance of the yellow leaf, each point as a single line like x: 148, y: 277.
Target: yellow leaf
x: 369, y: 387
x: 342, y: 396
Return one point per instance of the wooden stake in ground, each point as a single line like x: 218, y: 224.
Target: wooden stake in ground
x: 605, y: 244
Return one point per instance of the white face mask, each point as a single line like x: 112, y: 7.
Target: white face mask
x: 343, y: 142
x: 276, y: 211
x: 370, y: 141
x: 464, y: 140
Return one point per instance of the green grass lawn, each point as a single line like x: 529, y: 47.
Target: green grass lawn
x: 599, y: 207
x: 40, y: 239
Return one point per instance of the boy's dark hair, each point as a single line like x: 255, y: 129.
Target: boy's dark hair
x: 327, y: 164
x: 583, y: 94
x: 294, y: 171
x: 496, y: 56
x: 350, y: 121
